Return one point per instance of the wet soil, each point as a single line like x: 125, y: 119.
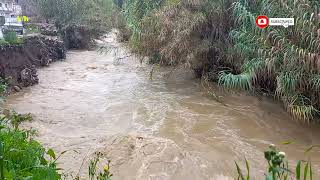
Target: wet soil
x: 19, y: 63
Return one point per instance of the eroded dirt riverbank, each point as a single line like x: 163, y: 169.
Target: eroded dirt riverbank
x: 18, y: 62
x: 165, y: 128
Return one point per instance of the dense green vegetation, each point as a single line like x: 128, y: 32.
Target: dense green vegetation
x: 284, y: 61
x: 23, y: 157
x: 220, y: 41
x: 11, y: 38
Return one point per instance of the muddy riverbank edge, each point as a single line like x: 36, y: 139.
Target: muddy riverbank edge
x: 19, y: 63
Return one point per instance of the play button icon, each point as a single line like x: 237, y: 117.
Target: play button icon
x: 262, y: 21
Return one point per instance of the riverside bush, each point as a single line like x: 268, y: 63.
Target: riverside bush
x: 283, y: 61
x: 11, y: 38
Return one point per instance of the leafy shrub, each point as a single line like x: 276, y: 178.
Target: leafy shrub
x: 11, y: 38
x: 173, y: 32
x: 21, y: 156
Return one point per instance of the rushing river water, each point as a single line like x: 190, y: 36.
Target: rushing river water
x: 166, y: 127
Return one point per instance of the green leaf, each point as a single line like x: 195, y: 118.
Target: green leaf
x: 306, y: 170
x: 285, y: 170
x: 239, y: 172
x: 267, y: 155
x: 51, y: 153
x: 310, y: 148
x: 63, y: 152
x: 311, y: 174
x: 269, y: 177
x: 248, y: 169
x: 287, y: 142
x: 43, y: 161
x: 298, y: 170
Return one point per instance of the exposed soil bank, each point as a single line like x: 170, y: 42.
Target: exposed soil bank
x: 19, y: 62
x: 77, y: 37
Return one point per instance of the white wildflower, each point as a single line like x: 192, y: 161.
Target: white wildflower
x: 283, y: 154
x: 272, y: 146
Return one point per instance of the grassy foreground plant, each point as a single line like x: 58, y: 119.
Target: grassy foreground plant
x: 278, y: 167
x: 10, y: 38
x: 94, y: 174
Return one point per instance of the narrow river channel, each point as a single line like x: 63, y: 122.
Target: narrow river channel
x: 166, y: 127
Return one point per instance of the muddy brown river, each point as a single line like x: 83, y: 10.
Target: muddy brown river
x: 166, y: 127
